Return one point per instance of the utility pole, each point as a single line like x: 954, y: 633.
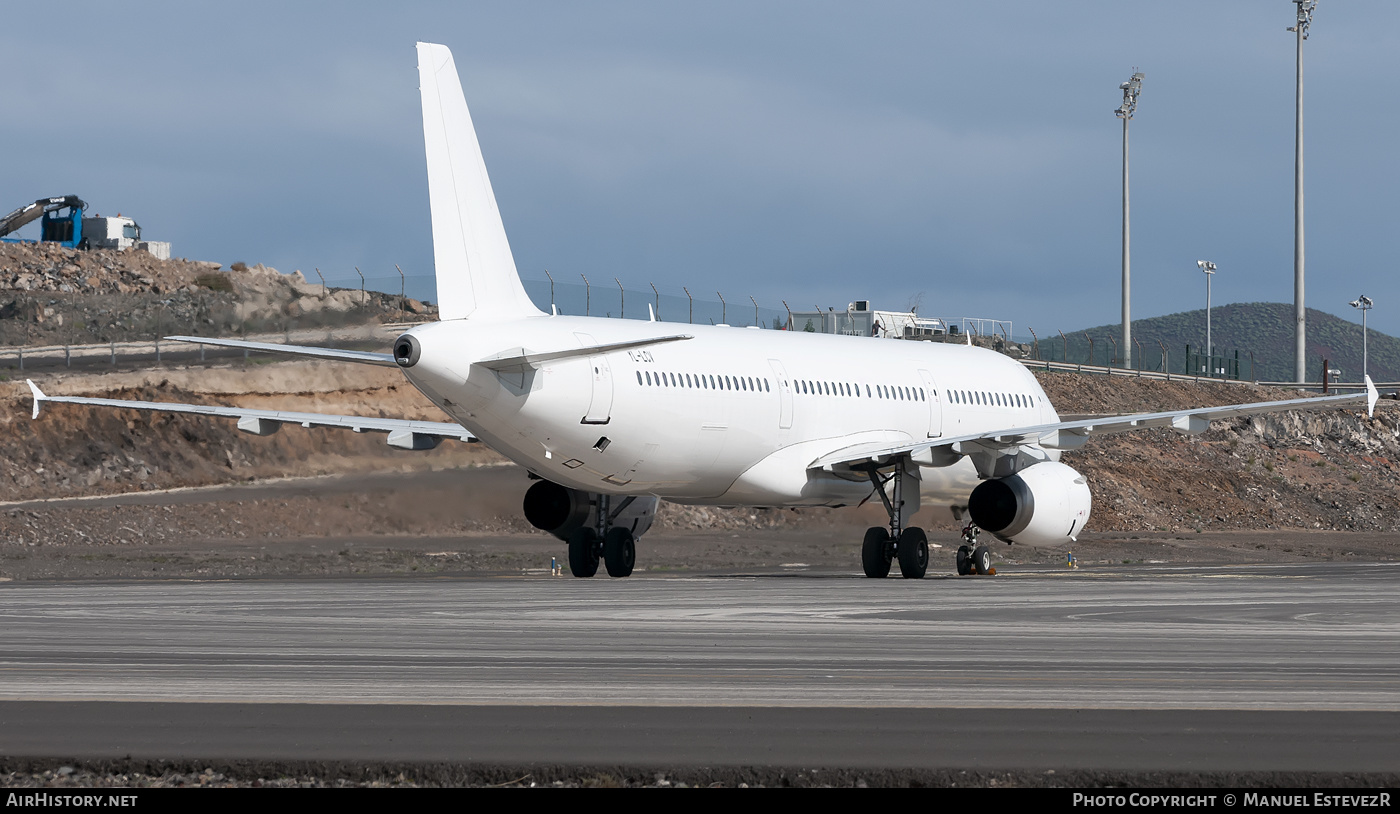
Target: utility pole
x: 1364, y: 304
x: 1305, y: 12
x: 1209, y: 268
x: 1130, y: 89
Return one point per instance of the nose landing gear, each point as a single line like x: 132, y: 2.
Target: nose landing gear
x: 973, y: 558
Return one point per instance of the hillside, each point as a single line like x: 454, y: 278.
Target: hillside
x: 50, y: 295
x: 1263, y: 328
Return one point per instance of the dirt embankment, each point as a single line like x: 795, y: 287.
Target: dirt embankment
x: 74, y: 450
x: 1333, y: 469
x: 50, y: 295
x: 1251, y: 490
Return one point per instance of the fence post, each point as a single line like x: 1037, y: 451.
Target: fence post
x: 402, y: 296
x: 692, y: 304
x: 587, y: 296
x: 67, y: 356
x: 114, y: 352
x: 621, y: 298
x: 658, y: 300
x: 552, y: 306
x: 723, y: 309
x: 21, y: 358
x: 755, y: 311
x: 157, y: 350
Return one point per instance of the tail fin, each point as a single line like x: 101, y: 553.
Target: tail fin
x: 475, y: 269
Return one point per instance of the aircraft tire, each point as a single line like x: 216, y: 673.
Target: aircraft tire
x: 964, y: 560
x: 583, y: 552
x: 619, y: 552
x: 913, y: 553
x: 982, y: 560
x: 875, y: 553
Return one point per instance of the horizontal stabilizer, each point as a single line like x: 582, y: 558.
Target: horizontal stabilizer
x: 358, y: 356
x: 523, y: 358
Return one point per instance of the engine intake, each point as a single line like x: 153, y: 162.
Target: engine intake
x: 560, y: 510
x: 1044, y: 504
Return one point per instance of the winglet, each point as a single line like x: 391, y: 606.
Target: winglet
x: 1371, y: 397
x: 38, y: 396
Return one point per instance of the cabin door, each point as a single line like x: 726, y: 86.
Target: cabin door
x: 600, y: 403
x: 935, y: 405
x: 784, y: 394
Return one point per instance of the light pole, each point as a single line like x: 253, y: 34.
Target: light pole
x: 1305, y: 12
x: 1209, y: 268
x: 1130, y: 89
x: 1364, y: 304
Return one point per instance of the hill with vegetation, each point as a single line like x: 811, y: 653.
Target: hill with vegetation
x: 1261, y: 333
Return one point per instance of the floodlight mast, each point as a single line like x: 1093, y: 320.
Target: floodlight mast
x: 1364, y: 304
x: 1209, y: 268
x: 1305, y: 12
x: 1130, y: 89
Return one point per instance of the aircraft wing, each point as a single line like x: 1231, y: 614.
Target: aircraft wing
x: 359, y: 356
x: 1073, y: 434
x: 402, y: 433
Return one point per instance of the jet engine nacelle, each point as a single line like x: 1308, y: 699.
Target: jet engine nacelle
x: 560, y: 510
x: 1044, y: 504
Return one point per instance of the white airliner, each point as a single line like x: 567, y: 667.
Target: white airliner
x: 611, y: 415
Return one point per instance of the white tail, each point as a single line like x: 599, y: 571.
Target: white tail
x: 475, y: 269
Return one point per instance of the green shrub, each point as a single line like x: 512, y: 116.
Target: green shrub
x: 214, y: 281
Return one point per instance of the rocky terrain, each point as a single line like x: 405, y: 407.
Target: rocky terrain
x: 50, y: 295
x: 220, y: 502
x: 1332, y: 470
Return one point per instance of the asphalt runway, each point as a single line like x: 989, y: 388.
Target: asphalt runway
x: 1147, y: 668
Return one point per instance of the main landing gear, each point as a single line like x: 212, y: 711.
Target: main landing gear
x: 883, y: 546
x: 614, y: 545
x: 973, y: 558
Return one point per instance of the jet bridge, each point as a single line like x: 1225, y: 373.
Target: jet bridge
x: 65, y: 228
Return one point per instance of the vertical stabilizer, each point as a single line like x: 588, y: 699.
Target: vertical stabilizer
x: 475, y: 270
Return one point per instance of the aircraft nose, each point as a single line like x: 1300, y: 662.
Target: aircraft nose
x: 407, y: 349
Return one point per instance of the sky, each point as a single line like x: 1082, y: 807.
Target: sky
x: 965, y: 156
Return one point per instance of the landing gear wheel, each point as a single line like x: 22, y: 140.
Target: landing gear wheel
x: 964, y: 560
x: 982, y: 560
x: 583, y: 552
x: 875, y: 553
x: 619, y: 552
x: 913, y: 553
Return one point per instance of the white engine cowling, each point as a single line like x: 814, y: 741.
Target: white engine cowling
x: 560, y: 510
x: 1044, y: 504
